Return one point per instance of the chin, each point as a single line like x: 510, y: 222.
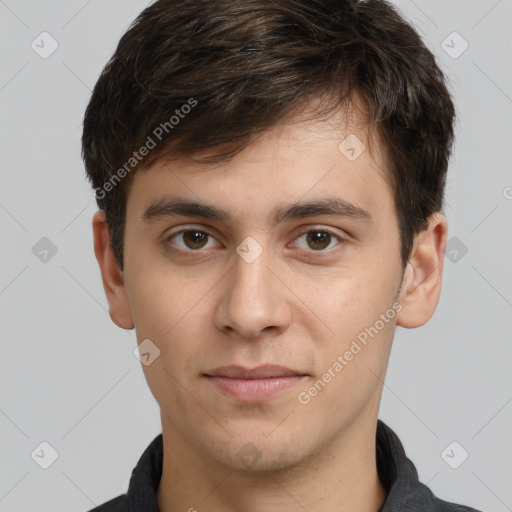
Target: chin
x: 258, y: 454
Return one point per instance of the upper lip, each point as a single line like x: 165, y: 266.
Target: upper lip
x: 259, y: 372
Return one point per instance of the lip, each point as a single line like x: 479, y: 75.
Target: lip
x: 254, y: 384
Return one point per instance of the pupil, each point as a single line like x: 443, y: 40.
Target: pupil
x: 319, y: 239
x: 195, y: 239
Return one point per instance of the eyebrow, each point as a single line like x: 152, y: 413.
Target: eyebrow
x: 328, y: 206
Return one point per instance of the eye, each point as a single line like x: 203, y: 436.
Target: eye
x: 192, y: 240
x: 318, y: 239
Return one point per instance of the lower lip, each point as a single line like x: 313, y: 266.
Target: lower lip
x: 254, y: 390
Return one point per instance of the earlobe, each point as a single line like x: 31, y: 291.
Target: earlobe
x: 111, y: 274
x: 421, y: 285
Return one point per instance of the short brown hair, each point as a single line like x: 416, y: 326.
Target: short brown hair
x: 241, y: 66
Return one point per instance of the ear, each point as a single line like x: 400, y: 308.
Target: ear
x: 111, y: 274
x: 421, y: 284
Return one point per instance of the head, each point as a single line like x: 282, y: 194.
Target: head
x: 250, y: 110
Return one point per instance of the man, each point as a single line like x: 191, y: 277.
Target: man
x: 270, y: 180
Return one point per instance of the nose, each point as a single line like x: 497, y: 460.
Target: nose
x: 254, y: 300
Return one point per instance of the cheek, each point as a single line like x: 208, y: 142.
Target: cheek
x: 351, y: 360
x: 354, y: 349
x: 162, y: 295
x: 343, y: 304
x: 175, y: 322
x: 180, y: 339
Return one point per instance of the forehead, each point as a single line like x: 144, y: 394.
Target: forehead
x: 337, y: 156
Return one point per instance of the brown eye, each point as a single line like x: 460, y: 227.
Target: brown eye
x: 192, y: 240
x: 195, y: 239
x: 318, y: 240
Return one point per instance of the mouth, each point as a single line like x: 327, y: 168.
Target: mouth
x: 255, y: 384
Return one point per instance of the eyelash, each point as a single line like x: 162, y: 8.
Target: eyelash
x: 168, y: 240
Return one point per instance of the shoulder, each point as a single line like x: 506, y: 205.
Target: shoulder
x: 141, y: 494
x: 405, y: 493
x: 421, y: 499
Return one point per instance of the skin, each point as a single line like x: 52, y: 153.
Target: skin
x: 300, y: 304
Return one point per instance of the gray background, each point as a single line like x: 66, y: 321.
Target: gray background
x: 69, y: 376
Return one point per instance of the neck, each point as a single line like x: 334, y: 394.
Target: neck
x: 340, y: 477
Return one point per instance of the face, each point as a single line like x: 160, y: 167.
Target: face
x: 270, y: 286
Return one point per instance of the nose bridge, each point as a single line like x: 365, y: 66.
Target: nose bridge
x: 251, y: 279
x: 252, y: 298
